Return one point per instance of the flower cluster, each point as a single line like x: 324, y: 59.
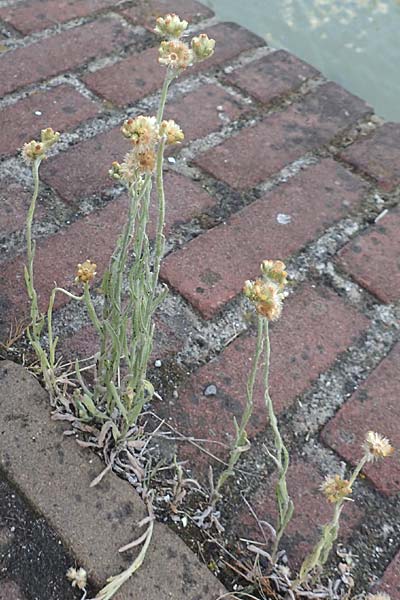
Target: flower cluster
x: 376, y: 446
x: 85, y: 272
x: 176, y: 54
x: 144, y: 133
x: 268, y: 293
x: 78, y: 578
x: 335, y: 488
x: 34, y: 149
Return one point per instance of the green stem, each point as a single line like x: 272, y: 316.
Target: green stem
x: 281, y: 458
x: 241, y: 436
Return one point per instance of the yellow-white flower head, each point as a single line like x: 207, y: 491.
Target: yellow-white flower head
x: 136, y: 164
x: 78, y: 578
x: 175, y: 54
x: 172, y: 132
x: 171, y: 26
x: 377, y: 446
x: 142, y: 132
x: 85, y: 272
x: 266, y: 297
x: 335, y: 488
x: 33, y: 149
x: 202, y: 47
x: 274, y: 270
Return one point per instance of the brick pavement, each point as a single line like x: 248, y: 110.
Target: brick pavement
x: 275, y: 164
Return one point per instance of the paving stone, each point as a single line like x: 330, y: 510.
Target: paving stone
x: 390, y: 583
x: 378, y: 155
x: 372, y: 259
x: 82, y: 170
x: 14, y: 203
x: 35, y: 15
x: 61, y: 52
x: 54, y: 473
x: 283, y: 137
x: 373, y: 407
x: 10, y: 591
x: 272, y: 76
x: 299, y: 355
x: 93, y: 237
x: 139, y: 75
x: 312, y: 511
x: 146, y: 13
x: 61, y: 108
x: 203, y: 111
x: 209, y: 271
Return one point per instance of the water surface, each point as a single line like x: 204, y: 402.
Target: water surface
x: 353, y: 42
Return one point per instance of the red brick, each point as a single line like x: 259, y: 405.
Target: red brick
x: 373, y: 407
x: 10, y: 591
x: 199, y: 112
x: 82, y: 170
x: 14, y: 204
x: 61, y: 107
x: 38, y: 14
x: 299, y: 354
x: 61, y: 52
x: 311, y: 512
x: 91, y: 237
x: 272, y: 76
x: 378, y: 155
x: 390, y: 583
x: 255, y: 153
x: 211, y: 269
x: 372, y: 259
x: 140, y: 74
x: 146, y: 13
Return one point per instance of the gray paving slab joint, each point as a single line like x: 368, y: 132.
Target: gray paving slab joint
x: 54, y: 473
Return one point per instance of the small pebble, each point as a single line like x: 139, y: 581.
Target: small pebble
x: 171, y: 160
x: 210, y: 390
x: 157, y: 363
x: 38, y: 113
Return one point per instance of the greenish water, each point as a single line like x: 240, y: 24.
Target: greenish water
x: 353, y: 42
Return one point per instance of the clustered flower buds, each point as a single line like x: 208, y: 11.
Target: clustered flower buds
x: 33, y: 149
x: 143, y: 132
x: 172, y: 131
x: 176, y: 54
x: 335, y: 488
x: 78, y: 578
x: 376, y: 446
x: 202, y: 46
x: 170, y: 26
x: 85, y: 272
x: 268, y: 293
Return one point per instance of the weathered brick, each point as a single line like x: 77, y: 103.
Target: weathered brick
x: 38, y: 14
x: 372, y: 259
x: 211, y: 269
x: 10, y: 591
x: 255, y: 153
x: 82, y: 171
x: 272, y: 76
x: 138, y: 75
x: 61, y: 107
x: 390, y: 583
x: 14, y: 204
x: 128, y: 80
x: 61, y: 52
x: 312, y: 511
x: 203, y: 111
x: 91, y: 237
x: 374, y: 406
x: 145, y: 13
x: 299, y: 355
x: 378, y: 155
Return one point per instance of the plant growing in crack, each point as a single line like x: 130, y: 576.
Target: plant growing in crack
x: 131, y: 293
